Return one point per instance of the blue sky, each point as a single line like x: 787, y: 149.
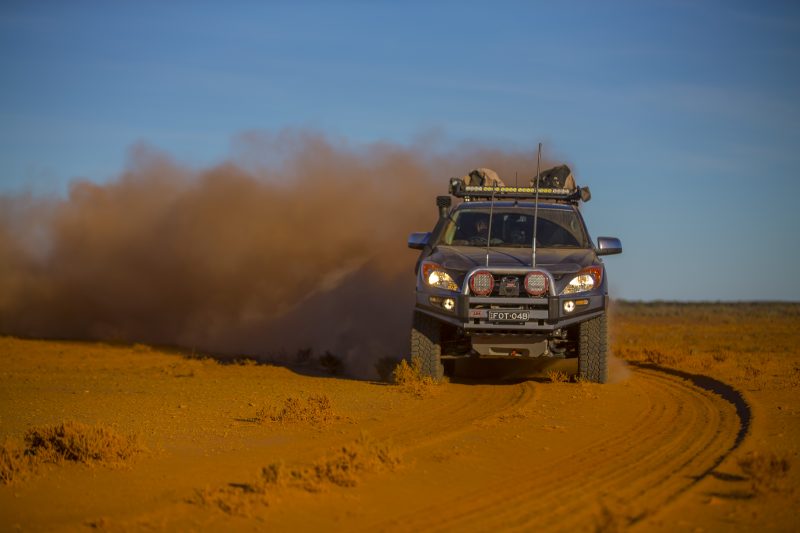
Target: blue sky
x: 683, y: 117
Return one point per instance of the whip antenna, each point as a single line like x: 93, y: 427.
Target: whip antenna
x: 489, y: 236
x: 536, y: 207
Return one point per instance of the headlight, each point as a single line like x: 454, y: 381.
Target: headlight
x: 587, y: 279
x: 435, y: 276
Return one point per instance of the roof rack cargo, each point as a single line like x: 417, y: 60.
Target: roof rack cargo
x: 555, y: 183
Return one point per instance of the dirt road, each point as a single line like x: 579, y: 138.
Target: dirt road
x: 476, y: 455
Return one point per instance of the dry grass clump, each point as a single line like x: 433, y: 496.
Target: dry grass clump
x: 68, y: 441
x: 316, y: 410
x: 14, y: 464
x: 238, y: 500
x: 73, y: 441
x: 765, y: 470
x: 557, y: 376
x: 342, y: 468
x: 410, y: 378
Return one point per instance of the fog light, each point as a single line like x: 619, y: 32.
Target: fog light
x: 569, y: 306
x: 446, y: 303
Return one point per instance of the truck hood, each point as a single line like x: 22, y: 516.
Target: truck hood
x: 555, y: 260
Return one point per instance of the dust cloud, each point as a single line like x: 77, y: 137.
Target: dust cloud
x: 297, y: 241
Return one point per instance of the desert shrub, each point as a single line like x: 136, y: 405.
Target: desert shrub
x: 361, y: 456
x: 410, y: 378
x: 385, y: 367
x: 342, y: 467
x: 278, y: 475
x: 68, y: 441
x: 14, y: 464
x: 331, y: 363
x: 557, y: 376
x: 405, y: 372
x: 765, y: 470
x: 73, y: 441
x: 316, y: 410
x: 239, y: 500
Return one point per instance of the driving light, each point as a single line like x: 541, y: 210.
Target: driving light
x: 586, y: 280
x: 481, y: 283
x: 535, y: 283
x: 435, y: 276
x: 569, y: 306
x: 448, y: 304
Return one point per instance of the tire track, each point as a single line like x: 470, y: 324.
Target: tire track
x: 677, y: 437
x: 448, y: 416
x: 670, y: 469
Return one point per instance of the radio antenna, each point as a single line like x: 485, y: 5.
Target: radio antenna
x: 536, y: 207
x: 489, y: 235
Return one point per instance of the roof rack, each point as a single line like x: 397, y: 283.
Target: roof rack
x: 468, y: 192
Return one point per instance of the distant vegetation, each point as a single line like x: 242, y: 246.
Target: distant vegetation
x: 743, y: 342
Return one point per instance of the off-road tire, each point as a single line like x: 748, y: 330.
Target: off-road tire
x: 426, y: 345
x: 593, y: 350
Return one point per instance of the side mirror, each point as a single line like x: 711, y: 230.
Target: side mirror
x: 417, y: 241
x: 608, y: 246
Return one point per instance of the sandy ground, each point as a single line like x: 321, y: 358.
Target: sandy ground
x: 658, y: 449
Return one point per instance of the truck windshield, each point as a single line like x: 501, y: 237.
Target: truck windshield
x: 556, y: 228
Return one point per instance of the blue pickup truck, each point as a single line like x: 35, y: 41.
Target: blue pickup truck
x: 512, y: 272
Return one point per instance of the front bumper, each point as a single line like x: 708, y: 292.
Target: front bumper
x: 471, y: 313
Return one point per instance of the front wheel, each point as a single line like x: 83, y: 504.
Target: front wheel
x: 426, y: 345
x: 593, y: 350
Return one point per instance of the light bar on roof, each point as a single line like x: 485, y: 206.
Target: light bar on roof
x: 459, y: 190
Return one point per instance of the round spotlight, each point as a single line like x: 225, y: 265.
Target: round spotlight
x: 449, y: 304
x: 535, y: 283
x: 569, y: 306
x: 481, y: 283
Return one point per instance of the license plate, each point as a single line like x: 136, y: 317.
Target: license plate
x: 509, y: 316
